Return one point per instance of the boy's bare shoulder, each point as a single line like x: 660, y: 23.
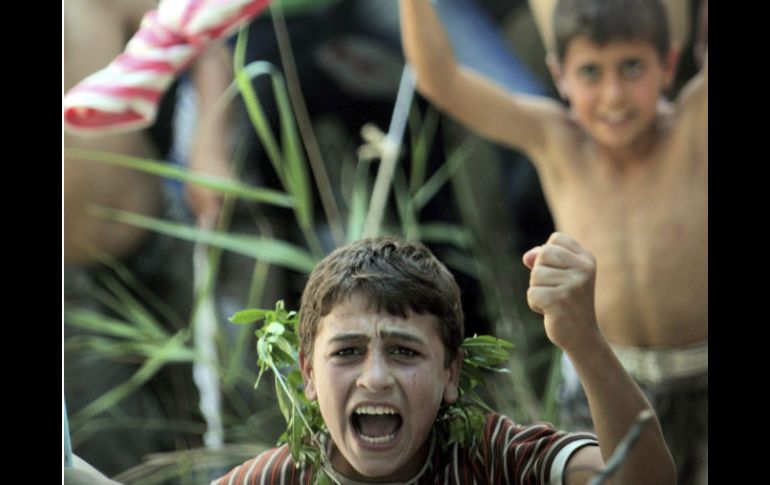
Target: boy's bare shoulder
x: 687, y: 120
x: 539, y: 126
x: 564, y: 140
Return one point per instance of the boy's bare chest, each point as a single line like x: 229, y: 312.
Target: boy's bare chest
x: 666, y: 192
x: 648, y: 199
x: 648, y: 228
x: 641, y: 220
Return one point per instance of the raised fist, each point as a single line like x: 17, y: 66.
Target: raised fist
x: 561, y: 288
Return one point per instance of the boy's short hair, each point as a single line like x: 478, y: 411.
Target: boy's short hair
x: 603, y: 21
x: 396, y: 276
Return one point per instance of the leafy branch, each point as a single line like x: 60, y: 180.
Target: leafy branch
x: 278, y: 351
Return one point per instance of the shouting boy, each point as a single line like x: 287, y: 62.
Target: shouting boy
x: 380, y: 330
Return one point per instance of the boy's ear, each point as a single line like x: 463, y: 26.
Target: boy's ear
x: 452, y: 386
x: 555, y: 68
x: 670, y: 64
x: 306, y: 367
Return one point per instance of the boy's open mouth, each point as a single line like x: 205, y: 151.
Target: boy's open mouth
x: 376, y: 424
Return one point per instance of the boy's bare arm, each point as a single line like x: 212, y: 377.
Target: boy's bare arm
x: 210, y: 150
x: 515, y: 120
x: 562, y: 289
x: 692, y: 103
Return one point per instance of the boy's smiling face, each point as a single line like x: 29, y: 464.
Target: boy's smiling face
x: 614, y: 89
x: 379, y: 380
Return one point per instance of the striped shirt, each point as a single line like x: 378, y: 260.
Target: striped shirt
x: 508, y: 453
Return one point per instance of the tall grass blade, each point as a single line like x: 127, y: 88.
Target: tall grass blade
x: 273, y: 251
x: 175, y: 172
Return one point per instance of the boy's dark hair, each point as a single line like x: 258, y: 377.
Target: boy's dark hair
x: 603, y: 21
x: 396, y: 276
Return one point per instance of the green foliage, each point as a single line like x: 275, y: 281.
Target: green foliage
x: 133, y: 334
x: 278, y: 351
x: 463, y: 421
x: 289, y: 164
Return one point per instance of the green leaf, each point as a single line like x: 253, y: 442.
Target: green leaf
x: 259, y: 121
x: 245, y: 317
x: 288, y: 353
x: 284, y: 401
x: 128, y: 306
x: 359, y: 201
x: 297, y: 179
x: 421, y: 147
x: 275, y: 328
x: 407, y: 216
x: 443, y: 174
x: 323, y: 478
x: 298, y: 431
x: 96, y: 322
x: 550, y: 413
x: 263, y: 353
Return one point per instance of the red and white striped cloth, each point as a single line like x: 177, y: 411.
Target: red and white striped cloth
x: 124, y: 95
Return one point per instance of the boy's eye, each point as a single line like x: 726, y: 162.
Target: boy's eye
x: 632, y: 68
x: 404, y: 352
x: 589, y: 72
x: 347, y: 352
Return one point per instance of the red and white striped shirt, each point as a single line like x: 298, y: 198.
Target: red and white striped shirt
x: 508, y: 453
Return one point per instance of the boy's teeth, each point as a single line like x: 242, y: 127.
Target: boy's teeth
x: 376, y: 424
x: 377, y: 439
x: 375, y: 410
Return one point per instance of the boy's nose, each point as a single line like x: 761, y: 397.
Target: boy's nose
x: 612, y: 89
x: 375, y: 374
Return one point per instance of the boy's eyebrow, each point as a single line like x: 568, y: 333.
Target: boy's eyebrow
x: 348, y: 337
x: 385, y: 334
x: 401, y: 335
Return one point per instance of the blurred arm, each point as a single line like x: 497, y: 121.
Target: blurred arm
x: 210, y: 146
x: 515, y: 120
